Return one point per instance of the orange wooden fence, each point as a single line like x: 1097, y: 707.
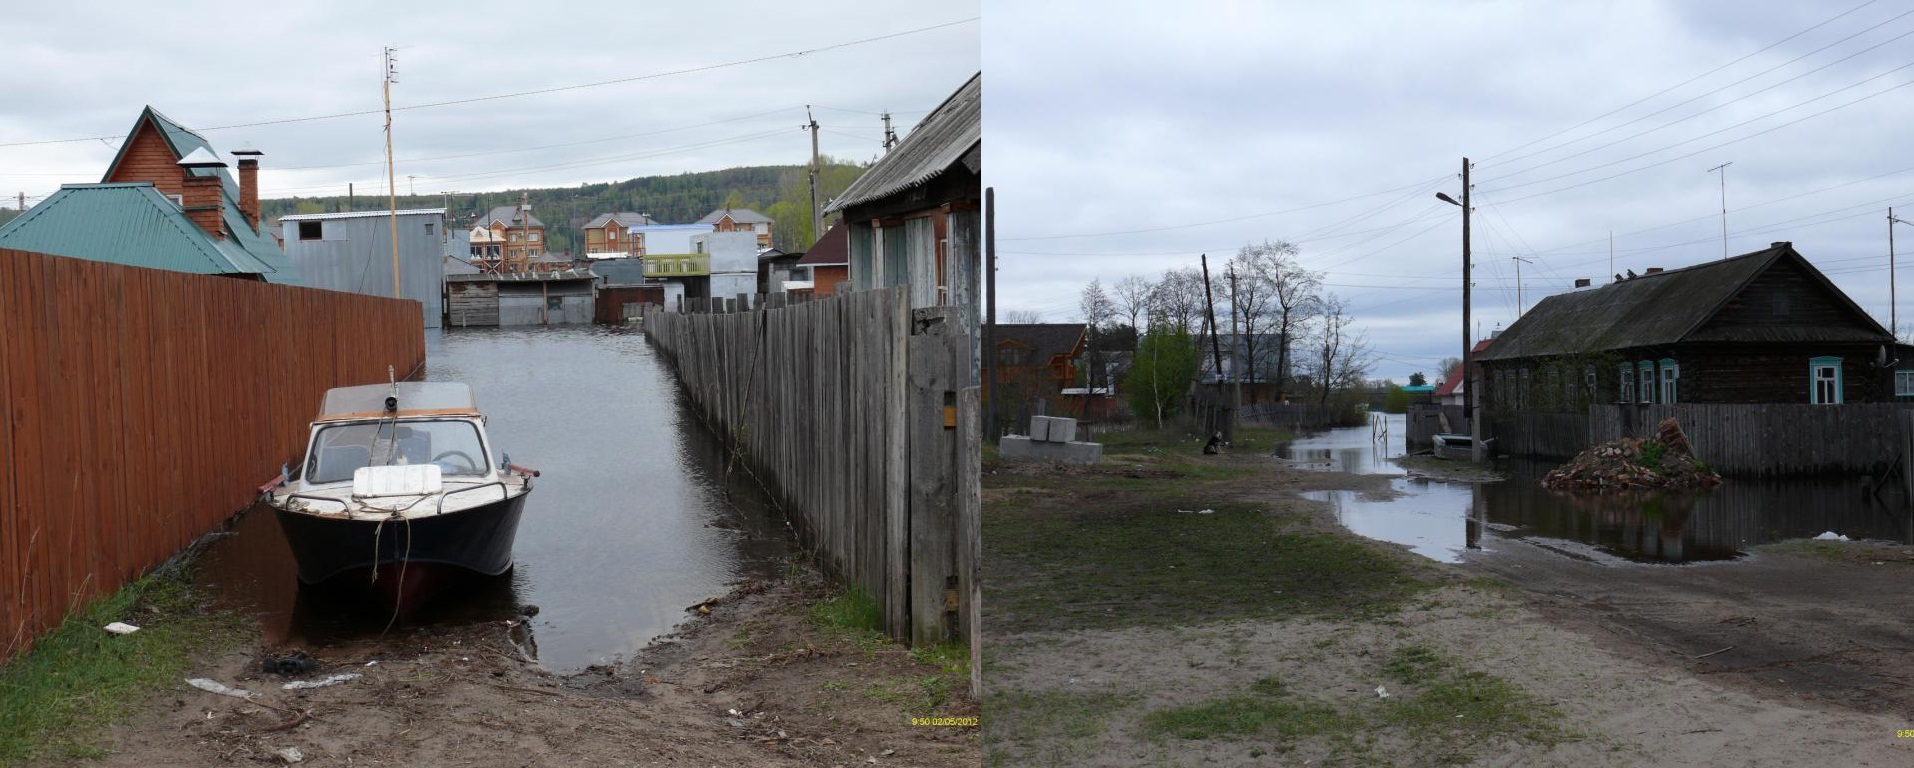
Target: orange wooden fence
x: 142, y: 407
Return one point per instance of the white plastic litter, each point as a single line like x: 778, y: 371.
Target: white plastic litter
x: 1197, y: 511
x: 291, y: 754
x: 214, y: 686
x: 121, y: 628
x: 1381, y: 692
x: 333, y: 680
x: 1831, y: 536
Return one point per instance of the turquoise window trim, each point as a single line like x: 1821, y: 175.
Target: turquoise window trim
x: 1645, y: 389
x: 1840, y: 390
x: 1667, y: 384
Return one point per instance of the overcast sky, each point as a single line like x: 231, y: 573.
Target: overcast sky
x: 1115, y: 117
x: 76, y: 70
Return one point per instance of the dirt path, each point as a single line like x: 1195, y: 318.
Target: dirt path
x: 758, y: 681
x: 1129, y: 627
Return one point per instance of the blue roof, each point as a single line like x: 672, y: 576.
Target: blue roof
x: 131, y: 224
x: 1420, y: 389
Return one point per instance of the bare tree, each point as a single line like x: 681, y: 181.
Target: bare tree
x: 1023, y: 317
x: 1178, y: 300
x: 1098, y: 311
x: 1251, y: 298
x: 1341, y: 358
x: 1294, y: 291
x: 1131, y: 295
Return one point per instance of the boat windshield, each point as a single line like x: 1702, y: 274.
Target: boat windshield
x: 340, y: 450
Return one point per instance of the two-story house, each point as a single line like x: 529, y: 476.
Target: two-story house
x: 609, y: 235
x: 522, y: 233
x: 740, y: 220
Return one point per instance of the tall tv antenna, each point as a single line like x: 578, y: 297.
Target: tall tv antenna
x: 391, y: 179
x: 1723, y: 169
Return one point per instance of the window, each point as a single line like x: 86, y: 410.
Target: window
x: 1522, y: 391
x: 428, y: 227
x: 1627, y: 386
x: 534, y: 237
x: 1646, y: 371
x: 554, y: 303
x: 311, y: 230
x: 1903, y: 383
x: 1824, y: 380
x: 339, y: 451
x: 611, y: 234
x: 1670, y: 376
x: 1588, y: 383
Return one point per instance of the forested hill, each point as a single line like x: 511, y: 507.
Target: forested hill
x: 778, y: 191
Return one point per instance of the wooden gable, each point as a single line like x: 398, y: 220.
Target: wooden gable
x: 147, y: 157
x: 1789, y: 301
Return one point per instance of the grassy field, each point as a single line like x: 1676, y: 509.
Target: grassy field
x: 56, y: 699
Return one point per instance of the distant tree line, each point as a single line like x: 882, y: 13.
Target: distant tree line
x: 781, y: 192
x: 1294, y: 336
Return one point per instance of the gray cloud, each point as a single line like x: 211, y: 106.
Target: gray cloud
x: 87, y: 72
x: 1126, y: 116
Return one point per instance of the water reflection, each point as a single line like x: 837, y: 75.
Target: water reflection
x: 1443, y: 520
x: 634, y: 519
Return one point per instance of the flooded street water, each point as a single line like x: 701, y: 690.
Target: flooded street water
x: 631, y: 522
x: 1442, y: 520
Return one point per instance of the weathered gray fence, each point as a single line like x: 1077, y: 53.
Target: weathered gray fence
x: 1541, y: 435
x: 858, y: 414
x: 1771, y: 439
x: 1424, y: 421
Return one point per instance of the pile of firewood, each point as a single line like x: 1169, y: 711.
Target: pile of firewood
x: 1663, y: 461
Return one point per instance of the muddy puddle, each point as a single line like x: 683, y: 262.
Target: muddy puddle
x: 1445, y: 520
x: 632, y: 520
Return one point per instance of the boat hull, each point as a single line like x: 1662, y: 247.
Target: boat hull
x: 477, y: 539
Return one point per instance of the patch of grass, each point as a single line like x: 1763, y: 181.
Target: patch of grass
x: 1135, y: 560
x: 1047, y: 727
x: 57, y: 698
x: 1450, y: 711
x: 1264, y: 712
x: 852, y: 617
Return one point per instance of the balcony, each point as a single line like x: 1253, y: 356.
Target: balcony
x: 678, y: 265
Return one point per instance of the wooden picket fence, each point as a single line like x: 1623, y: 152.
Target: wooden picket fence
x: 143, y: 407
x: 1776, y: 439
x: 858, y: 414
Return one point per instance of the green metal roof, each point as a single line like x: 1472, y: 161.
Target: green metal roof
x: 258, y: 247
x: 130, y: 224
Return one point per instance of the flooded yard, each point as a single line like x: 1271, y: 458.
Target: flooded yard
x: 632, y: 521
x: 1443, y: 520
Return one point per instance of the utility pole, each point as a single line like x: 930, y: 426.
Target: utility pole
x: 1519, y: 261
x: 890, y: 139
x: 990, y: 312
x: 817, y: 221
x: 1723, y: 169
x: 1216, y: 345
x: 1468, y: 381
x: 411, y: 185
x: 1236, y: 343
x: 391, y: 180
x: 23, y: 202
x: 352, y: 199
x: 1893, y: 306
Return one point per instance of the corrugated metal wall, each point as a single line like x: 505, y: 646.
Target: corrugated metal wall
x: 355, y: 255
x: 143, y: 407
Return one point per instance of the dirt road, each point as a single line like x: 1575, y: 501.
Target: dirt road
x: 1165, y: 608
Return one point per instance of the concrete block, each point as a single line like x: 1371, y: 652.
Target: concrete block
x: 1062, y: 429
x: 1040, y: 428
x: 1018, y: 448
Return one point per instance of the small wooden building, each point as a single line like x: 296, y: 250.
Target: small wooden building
x: 1762, y: 327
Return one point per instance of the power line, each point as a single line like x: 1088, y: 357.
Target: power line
x: 540, y: 91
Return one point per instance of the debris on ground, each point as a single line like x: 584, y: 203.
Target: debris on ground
x: 1831, y: 536
x: 295, y: 663
x: 121, y: 628
x: 214, y: 686
x: 1663, y: 461
x: 333, y: 680
x: 290, y: 755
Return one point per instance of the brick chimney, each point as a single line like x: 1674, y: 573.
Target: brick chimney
x: 203, y: 198
x: 249, y: 184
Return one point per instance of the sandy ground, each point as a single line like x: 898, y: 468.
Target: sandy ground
x: 752, y: 683
x: 1815, y: 672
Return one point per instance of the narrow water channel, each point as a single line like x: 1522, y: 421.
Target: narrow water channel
x: 632, y: 520
x: 1434, y: 518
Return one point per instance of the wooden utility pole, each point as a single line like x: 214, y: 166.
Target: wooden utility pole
x: 23, y: 202
x: 890, y: 139
x: 817, y: 221
x: 391, y: 179
x: 1893, y: 307
x: 1519, y: 306
x: 990, y: 312
x: 1216, y: 345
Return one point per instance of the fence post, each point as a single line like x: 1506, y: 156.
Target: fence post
x: 933, y: 380
x: 896, y: 457
x: 970, y: 529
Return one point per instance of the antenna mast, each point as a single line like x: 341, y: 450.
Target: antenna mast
x: 1723, y: 169
x: 391, y: 180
